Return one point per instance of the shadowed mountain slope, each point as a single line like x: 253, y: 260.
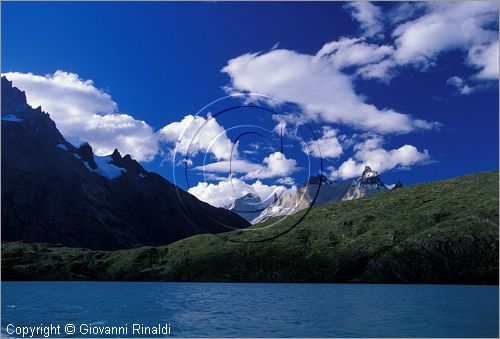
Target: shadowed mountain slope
x: 440, y: 232
x: 55, y: 192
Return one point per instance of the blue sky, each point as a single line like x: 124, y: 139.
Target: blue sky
x: 388, y: 75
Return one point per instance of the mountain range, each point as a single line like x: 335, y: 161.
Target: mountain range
x: 57, y: 192
x: 317, y: 190
x: 439, y: 232
x: 68, y: 214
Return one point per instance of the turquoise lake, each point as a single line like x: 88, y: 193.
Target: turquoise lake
x: 256, y: 310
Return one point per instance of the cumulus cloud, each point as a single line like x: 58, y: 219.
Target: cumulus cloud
x: 223, y: 193
x: 370, y: 153
x: 195, y: 134
x: 369, y: 17
x: 328, y: 146
x: 273, y: 166
x: 312, y: 82
x: 83, y: 111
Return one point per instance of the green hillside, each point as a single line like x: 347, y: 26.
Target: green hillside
x: 441, y: 232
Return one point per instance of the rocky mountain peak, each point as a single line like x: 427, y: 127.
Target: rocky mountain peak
x: 55, y: 192
x: 85, y: 150
x: 248, y: 206
x: 20, y: 116
x: 86, y: 153
x: 15, y: 99
x: 368, y: 183
x: 370, y: 177
x: 248, y: 198
x: 317, y: 180
x: 116, y: 156
x: 132, y: 166
x: 367, y: 170
x: 285, y: 203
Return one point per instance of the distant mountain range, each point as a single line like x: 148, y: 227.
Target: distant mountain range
x: 441, y: 232
x: 316, y: 190
x: 57, y: 192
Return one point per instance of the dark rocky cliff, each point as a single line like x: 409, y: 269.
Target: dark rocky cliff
x: 55, y: 192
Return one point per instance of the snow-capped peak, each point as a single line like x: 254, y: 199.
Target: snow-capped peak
x: 368, y: 183
x: 369, y: 173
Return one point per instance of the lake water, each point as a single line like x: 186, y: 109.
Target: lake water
x: 257, y: 310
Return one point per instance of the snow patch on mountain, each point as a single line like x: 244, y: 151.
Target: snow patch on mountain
x: 248, y: 206
x: 368, y: 183
x: 320, y: 190
x: 106, y: 168
x: 285, y: 204
x: 63, y: 147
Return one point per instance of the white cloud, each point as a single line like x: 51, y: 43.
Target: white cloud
x: 274, y: 165
x: 404, y: 10
x: 86, y: 113
x: 318, y: 87
x: 383, y: 70
x: 348, y: 52
x: 328, y: 146
x: 370, y: 153
x: 214, y: 177
x: 446, y: 26
x: 440, y: 27
x: 254, y: 148
x: 368, y: 16
x: 225, y: 192
x: 485, y: 58
x: 196, y: 134
x: 230, y: 166
x: 289, y: 181
x: 460, y: 85
x: 81, y: 110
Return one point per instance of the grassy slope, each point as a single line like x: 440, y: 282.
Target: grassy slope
x: 442, y: 232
